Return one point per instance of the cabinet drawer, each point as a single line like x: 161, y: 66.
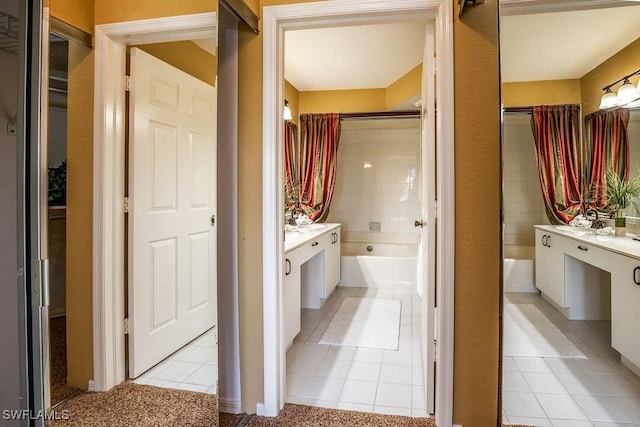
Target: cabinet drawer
x: 590, y: 254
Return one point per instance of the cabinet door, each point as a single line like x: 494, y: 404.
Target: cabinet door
x: 550, y: 266
x: 291, y: 298
x: 625, y: 306
x: 332, y: 262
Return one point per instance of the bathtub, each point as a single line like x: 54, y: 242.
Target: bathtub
x: 386, y: 265
x: 519, y: 268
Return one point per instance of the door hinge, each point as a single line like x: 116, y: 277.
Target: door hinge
x: 126, y: 205
x: 126, y: 326
x: 127, y: 83
x: 436, y: 209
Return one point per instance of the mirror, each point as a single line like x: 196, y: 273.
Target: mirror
x: 170, y: 352
x: 558, y: 367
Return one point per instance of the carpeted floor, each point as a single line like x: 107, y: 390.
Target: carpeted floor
x: 58, y: 356
x: 130, y: 404
x: 229, y: 420
x: 308, y: 416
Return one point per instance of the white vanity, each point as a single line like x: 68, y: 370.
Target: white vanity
x: 312, y: 271
x: 592, y: 277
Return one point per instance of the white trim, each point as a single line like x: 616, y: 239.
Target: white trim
x: 277, y: 19
x: 522, y: 7
x: 108, y: 177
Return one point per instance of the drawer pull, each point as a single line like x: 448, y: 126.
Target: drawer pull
x: 288, y: 270
x: 314, y: 244
x: 635, y: 276
x: 582, y: 248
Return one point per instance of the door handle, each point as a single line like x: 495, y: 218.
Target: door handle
x: 635, y: 275
x: 288, y: 269
x: 418, y: 223
x: 546, y: 242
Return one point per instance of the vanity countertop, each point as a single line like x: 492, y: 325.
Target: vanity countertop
x: 623, y: 245
x: 294, y: 239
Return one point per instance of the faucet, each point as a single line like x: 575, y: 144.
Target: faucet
x: 596, y: 223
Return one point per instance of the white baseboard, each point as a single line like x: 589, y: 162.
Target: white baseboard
x: 230, y: 406
x: 260, y: 409
x: 91, y: 386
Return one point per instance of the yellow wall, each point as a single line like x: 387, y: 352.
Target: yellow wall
x: 292, y: 95
x: 404, y: 88
x: 79, y: 216
x: 342, y: 101
x: 478, y: 258
x: 107, y: 11
x: 74, y: 12
x: 622, y: 63
x: 547, y: 92
x: 188, y: 57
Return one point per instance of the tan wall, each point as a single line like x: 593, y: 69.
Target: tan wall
x: 292, y: 95
x: 404, y: 88
x: 548, y: 92
x: 107, y: 11
x: 186, y: 56
x: 622, y: 63
x: 343, y: 101
x: 478, y: 259
x: 74, y: 12
x: 79, y: 216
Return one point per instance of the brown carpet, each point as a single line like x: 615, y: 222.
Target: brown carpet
x: 129, y: 405
x: 58, y: 356
x: 308, y: 416
x: 229, y: 420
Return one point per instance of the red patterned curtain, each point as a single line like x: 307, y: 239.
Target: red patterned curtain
x: 291, y: 159
x: 555, y: 131
x: 319, y: 134
x: 607, y: 148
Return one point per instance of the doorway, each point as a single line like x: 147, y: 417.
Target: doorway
x: 298, y: 16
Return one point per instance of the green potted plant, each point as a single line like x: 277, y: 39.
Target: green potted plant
x: 621, y: 194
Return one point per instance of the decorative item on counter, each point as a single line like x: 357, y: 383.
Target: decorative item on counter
x: 580, y: 221
x: 620, y: 194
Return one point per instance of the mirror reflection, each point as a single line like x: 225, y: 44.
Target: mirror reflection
x: 568, y: 271
x: 170, y: 351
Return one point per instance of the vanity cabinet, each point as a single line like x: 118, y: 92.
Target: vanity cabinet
x: 331, y: 261
x: 625, y: 306
x: 312, y: 271
x: 550, y: 266
x: 291, y: 297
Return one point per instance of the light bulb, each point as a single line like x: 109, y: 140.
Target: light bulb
x: 286, y: 114
x: 627, y: 92
x: 608, y: 100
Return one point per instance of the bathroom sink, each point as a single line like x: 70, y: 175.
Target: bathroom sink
x: 579, y: 231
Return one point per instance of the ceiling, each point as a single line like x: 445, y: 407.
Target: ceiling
x: 564, y: 45
x: 534, y: 46
x: 354, y: 57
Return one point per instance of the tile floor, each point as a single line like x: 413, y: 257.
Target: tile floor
x: 363, y: 379
x: 194, y: 367
x: 596, y: 392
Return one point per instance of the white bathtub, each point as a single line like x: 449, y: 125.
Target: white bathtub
x: 519, y: 269
x: 386, y: 265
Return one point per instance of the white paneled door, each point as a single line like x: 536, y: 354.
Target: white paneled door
x: 426, y: 275
x: 172, y: 207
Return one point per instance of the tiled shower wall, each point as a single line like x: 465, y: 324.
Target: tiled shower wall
x: 377, y: 180
x: 523, y: 205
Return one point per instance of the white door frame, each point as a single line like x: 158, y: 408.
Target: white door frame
x: 277, y: 19
x: 111, y: 41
